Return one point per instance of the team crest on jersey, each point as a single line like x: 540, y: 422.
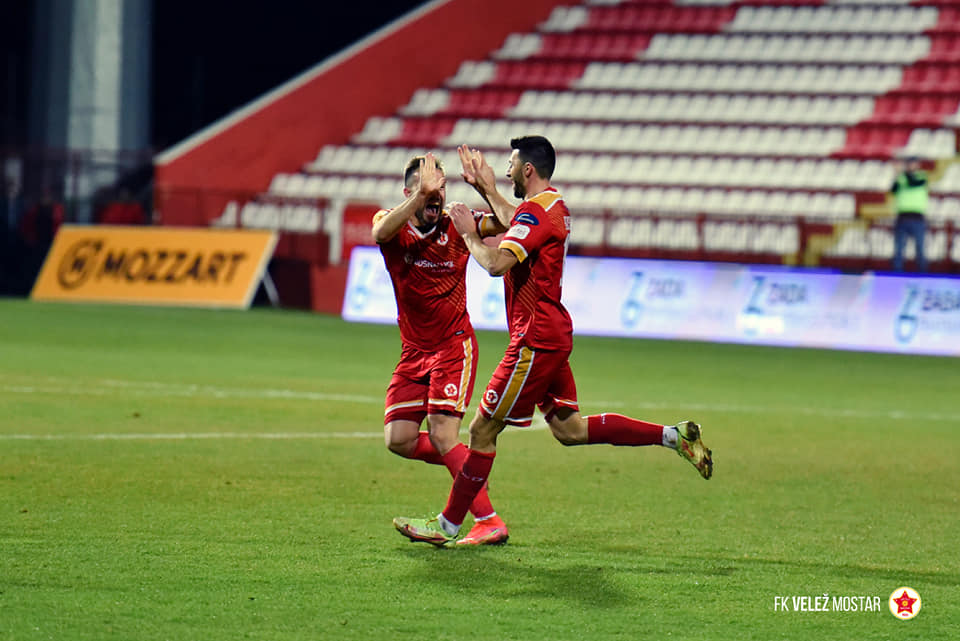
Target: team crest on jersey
x: 518, y: 231
x: 491, y: 397
x: 442, y: 240
x: 528, y: 218
x: 450, y: 389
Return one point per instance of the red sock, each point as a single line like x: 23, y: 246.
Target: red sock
x: 469, y: 482
x: 617, y: 429
x: 425, y: 451
x: 454, y: 460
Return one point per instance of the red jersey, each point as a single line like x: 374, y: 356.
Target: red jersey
x: 428, y: 271
x: 538, y: 238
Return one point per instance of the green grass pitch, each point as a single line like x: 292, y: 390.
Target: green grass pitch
x: 208, y: 475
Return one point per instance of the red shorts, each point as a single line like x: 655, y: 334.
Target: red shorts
x: 436, y: 382
x: 526, y: 378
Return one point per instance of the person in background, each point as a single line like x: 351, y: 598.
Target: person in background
x: 911, y: 192
x: 11, y: 208
x: 122, y: 210
x: 38, y: 226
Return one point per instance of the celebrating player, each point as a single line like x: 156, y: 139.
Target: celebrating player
x: 535, y: 370
x: 427, y: 261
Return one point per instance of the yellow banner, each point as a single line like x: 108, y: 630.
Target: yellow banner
x: 155, y: 265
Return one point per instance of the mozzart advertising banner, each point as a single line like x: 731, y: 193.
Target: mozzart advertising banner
x: 712, y: 302
x: 160, y: 266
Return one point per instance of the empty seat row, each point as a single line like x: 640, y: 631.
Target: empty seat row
x: 387, y: 191
x: 751, y: 140
x: 787, y: 173
x: 745, y: 140
x: 804, y: 173
x: 665, y: 17
x: 732, y: 47
x: 857, y: 49
x: 825, y: 18
x: 659, y: 107
x: 729, y: 76
x: 639, y: 17
x: 719, y: 202
x: 656, y: 17
x: 573, y: 46
x: 771, y: 78
x: 663, y: 107
x: 377, y: 190
x: 391, y: 161
x: 521, y: 74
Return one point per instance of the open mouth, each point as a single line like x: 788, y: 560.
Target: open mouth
x: 432, y: 209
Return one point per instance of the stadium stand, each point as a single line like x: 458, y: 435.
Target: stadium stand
x: 754, y: 130
x: 786, y: 111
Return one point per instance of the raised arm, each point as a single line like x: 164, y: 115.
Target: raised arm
x: 480, y: 175
x: 386, y: 224
x: 496, y: 261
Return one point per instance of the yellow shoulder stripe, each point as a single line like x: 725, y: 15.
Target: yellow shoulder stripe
x: 547, y: 199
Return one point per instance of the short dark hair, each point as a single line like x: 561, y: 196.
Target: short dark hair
x: 537, y: 151
x: 413, y: 166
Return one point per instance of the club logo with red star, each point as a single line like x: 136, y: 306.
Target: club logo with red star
x: 904, y: 603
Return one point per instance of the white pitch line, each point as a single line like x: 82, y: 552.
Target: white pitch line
x: 110, y: 387
x: 200, y: 436
x: 104, y: 387
x: 185, y: 436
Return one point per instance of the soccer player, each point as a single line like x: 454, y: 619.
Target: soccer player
x: 427, y: 261
x: 535, y: 370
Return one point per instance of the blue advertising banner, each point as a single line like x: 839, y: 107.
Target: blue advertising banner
x: 719, y: 302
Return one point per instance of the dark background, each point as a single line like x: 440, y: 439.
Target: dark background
x: 209, y: 57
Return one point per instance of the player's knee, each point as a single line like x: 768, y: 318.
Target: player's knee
x: 483, y: 434
x: 398, y: 441
x: 565, y: 438
x: 404, y: 449
x: 443, y: 442
x: 444, y: 432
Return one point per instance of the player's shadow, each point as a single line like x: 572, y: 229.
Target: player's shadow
x: 730, y: 565
x: 501, y: 572
x: 497, y: 573
x: 518, y: 571
x: 846, y: 570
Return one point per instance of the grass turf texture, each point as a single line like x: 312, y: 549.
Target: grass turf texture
x: 191, y: 474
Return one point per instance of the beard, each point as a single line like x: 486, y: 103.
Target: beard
x: 430, y: 215
x: 519, y: 190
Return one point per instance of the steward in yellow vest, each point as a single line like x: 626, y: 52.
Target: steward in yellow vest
x: 911, y: 192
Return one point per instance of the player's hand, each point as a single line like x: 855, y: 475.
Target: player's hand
x: 431, y: 178
x: 462, y: 218
x: 476, y: 171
